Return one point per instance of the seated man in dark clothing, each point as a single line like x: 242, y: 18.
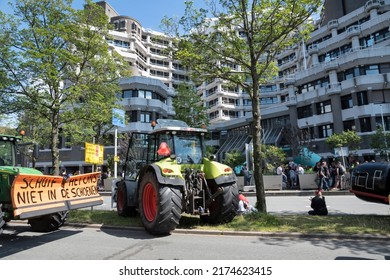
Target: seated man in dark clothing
x: 319, y: 205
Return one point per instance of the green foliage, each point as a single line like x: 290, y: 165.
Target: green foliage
x: 347, y: 138
x: 380, y: 143
x: 238, y: 45
x: 273, y: 157
x: 56, y: 66
x: 234, y: 158
x: 189, y: 107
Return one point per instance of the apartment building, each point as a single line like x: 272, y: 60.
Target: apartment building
x: 338, y: 80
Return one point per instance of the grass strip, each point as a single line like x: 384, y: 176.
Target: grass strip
x: 342, y: 224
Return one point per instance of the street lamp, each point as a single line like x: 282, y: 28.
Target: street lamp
x: 384, y: 133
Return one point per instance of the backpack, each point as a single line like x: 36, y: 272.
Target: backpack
x: 341, y: 170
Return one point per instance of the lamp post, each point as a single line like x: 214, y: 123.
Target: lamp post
x: 384, y: 133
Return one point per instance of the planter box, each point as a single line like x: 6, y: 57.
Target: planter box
x: 307, y: 182
x: 272, y: 182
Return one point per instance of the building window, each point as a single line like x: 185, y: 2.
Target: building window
x: 127, y: 93
x: 370, y: 69
x: 362, y: 98
x: 379, y: 122
x: 325, y: 130
x: 145, y: 117
x: 365, y: 124
x: 346, y: 102
x: 349, y: 125
x: 324, y: 107
x: 305, y: 112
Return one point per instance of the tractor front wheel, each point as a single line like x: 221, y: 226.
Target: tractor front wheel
x: 224, y: 207
x: 49, y: 222
x: 160, y: 206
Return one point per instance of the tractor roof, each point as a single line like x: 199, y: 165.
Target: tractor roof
x: 10, y: 138
x: 174, y: 125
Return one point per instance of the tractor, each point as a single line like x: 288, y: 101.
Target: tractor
x: 44, y: 200
x: 166, y: 173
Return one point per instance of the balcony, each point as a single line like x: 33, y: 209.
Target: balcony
x: 373, y: 4
x: 353, y: 31
x: 334, y: 89
x: 332, y: 24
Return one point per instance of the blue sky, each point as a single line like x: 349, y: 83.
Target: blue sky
x: 149, y: 13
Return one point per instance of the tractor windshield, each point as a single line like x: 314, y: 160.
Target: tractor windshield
x: 7, y: 152
x: 188, y: 148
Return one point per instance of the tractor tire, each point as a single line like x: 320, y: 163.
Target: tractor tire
x: 224, y: 208
x: 160, y: 206
x: 49, y: 222
x: 2, y: 222
x: 122, y: 207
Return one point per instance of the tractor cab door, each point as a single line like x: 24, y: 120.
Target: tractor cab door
x: 136, y: 156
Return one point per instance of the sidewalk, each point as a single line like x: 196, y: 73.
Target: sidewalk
x: 279, y: 193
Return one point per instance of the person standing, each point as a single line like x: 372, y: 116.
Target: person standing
x: 247, y: 175
x: 324, y: 176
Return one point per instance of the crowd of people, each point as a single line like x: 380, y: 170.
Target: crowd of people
x: 328, y: 176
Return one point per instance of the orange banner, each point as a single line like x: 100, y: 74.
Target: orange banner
x: 36, y: 195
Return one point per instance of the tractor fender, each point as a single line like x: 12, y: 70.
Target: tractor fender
x: 164, y: 180
x: 225, y: 179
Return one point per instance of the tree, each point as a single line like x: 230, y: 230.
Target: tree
x: 234, y: 158
x: 55, y: 64
x: 239, y: 45
x: 348, y: 138
x: 380, y: 143
x: 273, y: 157
x: 188, y: 106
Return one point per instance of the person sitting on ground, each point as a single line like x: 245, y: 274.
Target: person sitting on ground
x: 244, y: 206
x: 318, y: 204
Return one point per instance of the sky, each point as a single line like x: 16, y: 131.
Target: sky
x: 148, y: 13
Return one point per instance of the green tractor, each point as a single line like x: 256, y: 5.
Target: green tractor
x: 166, y: 173
x: 25, y: 193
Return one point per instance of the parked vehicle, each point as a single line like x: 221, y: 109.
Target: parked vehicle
x: 25, y: 193
x: 371, y: 182
x: 166, y: 173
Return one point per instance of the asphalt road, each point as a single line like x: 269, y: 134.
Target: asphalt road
x: 90, y: 243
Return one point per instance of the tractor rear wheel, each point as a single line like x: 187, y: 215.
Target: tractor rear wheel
x: 160, y: 206
x: 49, y: 222
x: 224, y: 208
x: 122, y: 207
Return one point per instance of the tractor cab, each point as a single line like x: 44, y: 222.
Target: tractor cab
x: 172, y: 138
x: 8, y: 150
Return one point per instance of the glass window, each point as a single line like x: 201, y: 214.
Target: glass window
x: 349, y: 125
x: 371, y: 69
x: 145, y: 117
x: 324, y: 107
x: 304, y: 112
x: 380, y: 120
x: 365, y: 124
x: 325, y: 130
x: 127, y: 93
x: 362, y: 98
x: 346, y: 102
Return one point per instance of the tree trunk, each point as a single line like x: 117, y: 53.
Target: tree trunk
x: 258, y: 162
x: 55, y: 154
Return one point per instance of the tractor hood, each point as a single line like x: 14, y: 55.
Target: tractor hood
x: 19, y: 170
